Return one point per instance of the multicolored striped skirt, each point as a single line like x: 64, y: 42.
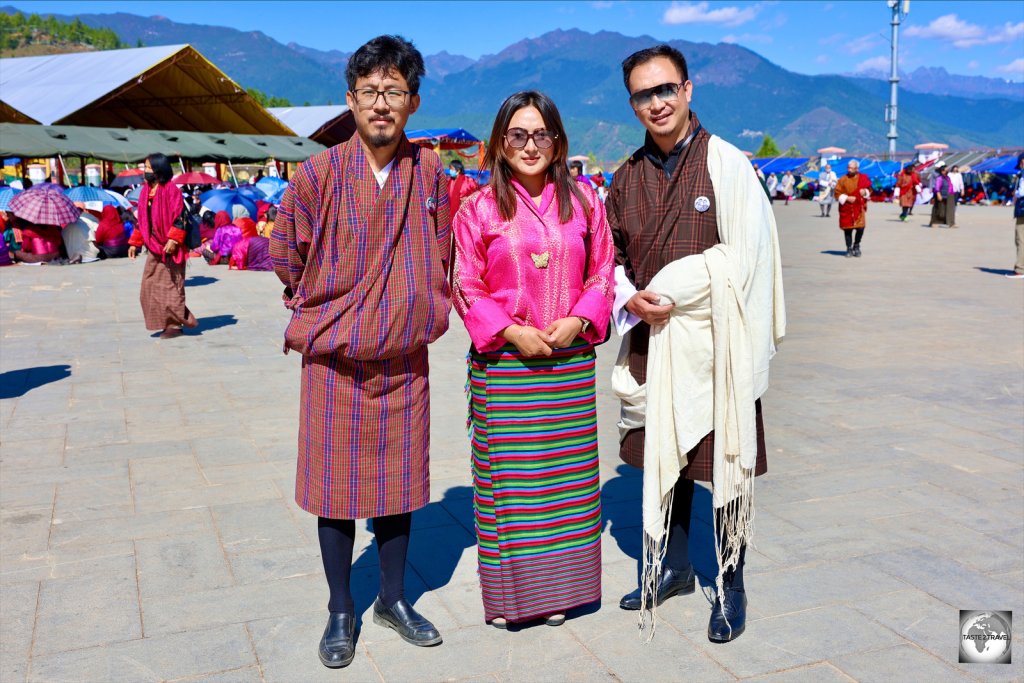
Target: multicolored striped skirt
x: 537, y: 492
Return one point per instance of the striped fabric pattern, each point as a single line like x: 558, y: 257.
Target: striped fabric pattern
x: 537, y: 497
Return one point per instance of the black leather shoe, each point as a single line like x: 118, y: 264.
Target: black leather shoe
x: 337, y: 647
x: 673, y: 582
x: 410, y: 624
x: 733, y: 607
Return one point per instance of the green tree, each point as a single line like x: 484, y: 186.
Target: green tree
x: 768, y: 148
x: 267, y: 100
x: 139, y: 43
x: 793, y: 151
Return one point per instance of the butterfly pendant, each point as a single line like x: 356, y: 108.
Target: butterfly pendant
x: 541, y: 260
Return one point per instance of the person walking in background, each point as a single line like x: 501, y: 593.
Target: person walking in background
x: 826, y: 186
x: 943, y: 199
x: 772, y: 185
x: 533, y: 284
x: 787, y: 186
x: 1018, y: 217
x: 365, y: 269
x: 852, y: 193
x: 957, y: 178
x: 908, y: 184
x: 161, y: 229
x: 696, y: 243
x: 460, y: 185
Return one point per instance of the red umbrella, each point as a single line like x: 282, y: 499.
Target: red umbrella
x: 44, y: 206
x: 195, y: 178
x: 133, y: 176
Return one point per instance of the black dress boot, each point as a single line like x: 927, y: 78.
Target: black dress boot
x: 731, y: 606
x: 407, y: 622
x: 337, y: 647
x: 672, y: 582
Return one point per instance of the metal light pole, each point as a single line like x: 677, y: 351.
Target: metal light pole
x: 899, y: 10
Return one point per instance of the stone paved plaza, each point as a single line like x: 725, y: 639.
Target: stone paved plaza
x: 149, y: 531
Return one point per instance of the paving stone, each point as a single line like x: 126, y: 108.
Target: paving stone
x: 165, y: 565
x: 87, y: 610
x: 271, y: 564
x: 777, y: 643
x: 17, y: 617
x: 879, y: 664
x: 154, y: 658
x: 277, y: 527
x: 206, y: 496
x: 230, y: 605
x: 815, y: 673
x: 74, y: 533
x: 287, y: 650
x: 93, y: 498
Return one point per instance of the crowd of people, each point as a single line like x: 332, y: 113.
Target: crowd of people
x: 97, y: 230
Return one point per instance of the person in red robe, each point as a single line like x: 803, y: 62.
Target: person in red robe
x: 460, y: 186
x: 362, y: 243
x: 853, y: 191
x: 909, y: 184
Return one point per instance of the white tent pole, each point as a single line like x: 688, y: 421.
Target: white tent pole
x: 232, y: 169
x: 61, y: 160
x: 181, y: 164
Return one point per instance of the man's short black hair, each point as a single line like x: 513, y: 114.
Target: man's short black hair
x: 272, y: 213
x: 457, y: 165
x: 643, y: 56
x: 578, y: 165
x: 382, y: 54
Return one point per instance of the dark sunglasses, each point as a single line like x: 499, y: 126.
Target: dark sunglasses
x: 518, y: 137
x: 666, y: 92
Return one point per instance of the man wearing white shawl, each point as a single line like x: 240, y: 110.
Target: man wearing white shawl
x: 699, y: 303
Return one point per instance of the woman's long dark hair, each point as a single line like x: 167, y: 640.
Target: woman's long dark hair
x: 161, y: 166
x: 501, y: 173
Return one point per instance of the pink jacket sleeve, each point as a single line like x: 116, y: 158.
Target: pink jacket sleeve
x: 483, y: 316
x: 595, y: 302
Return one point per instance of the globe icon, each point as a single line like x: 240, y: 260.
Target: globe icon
x: 985, y: 637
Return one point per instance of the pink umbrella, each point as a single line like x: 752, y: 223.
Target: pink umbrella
x: 45, y: 206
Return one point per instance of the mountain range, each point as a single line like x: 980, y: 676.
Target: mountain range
x: 737, y: 93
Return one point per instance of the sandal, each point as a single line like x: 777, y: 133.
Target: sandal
x: 499, y: 622
x: 555, y: 619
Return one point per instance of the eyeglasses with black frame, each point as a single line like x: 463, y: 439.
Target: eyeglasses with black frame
x: 367, y: 97
x: 517, y: 138
x: 666, y: 92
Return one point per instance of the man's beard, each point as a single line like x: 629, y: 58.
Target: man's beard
x: 381, y: 139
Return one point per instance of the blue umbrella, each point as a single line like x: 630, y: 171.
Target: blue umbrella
x: 119, y: 199
x: 276, y: 198
x: 251, y: 193
x: 271, y: 186
x: 6, y: 193
x: 133, y: 194
x: 87, y: 193
x: 223, y: 200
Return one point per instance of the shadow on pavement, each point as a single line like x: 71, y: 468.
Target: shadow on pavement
x: 995, y: 271
x: 211, y: 322
x: 15, y: 383
x: 200, y: 280
x: 434, y: 550
x: 834, y: 252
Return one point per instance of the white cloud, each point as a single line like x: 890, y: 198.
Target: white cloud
x: 602, y: 5
x: 962, y: 34
x: 862, y: 44
x: 747, y: 38
x: 1014, y: 69
x: 700, y: 13
x: 821, y: 59
x: 832, y: 39
x: 879, y: 63
x: 973, y: 64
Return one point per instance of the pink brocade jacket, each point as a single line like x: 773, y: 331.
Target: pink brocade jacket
x: 531, y: 270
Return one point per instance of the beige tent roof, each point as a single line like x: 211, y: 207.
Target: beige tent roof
x: 170, y: 87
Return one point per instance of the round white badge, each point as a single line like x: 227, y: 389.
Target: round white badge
x: 702, y: 204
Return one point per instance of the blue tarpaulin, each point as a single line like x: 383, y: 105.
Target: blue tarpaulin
x: 1001, y: 164
x: 448, y: 138
x: 779, y: 164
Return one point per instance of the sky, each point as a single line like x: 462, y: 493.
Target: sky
x: 813, y: 37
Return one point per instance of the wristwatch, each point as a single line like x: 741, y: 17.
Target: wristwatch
x: 586, y: 324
